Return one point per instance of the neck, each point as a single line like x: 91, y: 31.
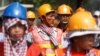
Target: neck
x: 62, y: 26
x: 13, y: 42
x: 31, y: 26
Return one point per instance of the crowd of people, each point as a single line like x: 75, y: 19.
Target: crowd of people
x: 60, y: 32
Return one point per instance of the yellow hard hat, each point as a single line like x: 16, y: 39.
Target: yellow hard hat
x: 64, y: 9
x: 80, y: 9
x: 82, y: 20
x: 30, y: 15
x: 45, y: 8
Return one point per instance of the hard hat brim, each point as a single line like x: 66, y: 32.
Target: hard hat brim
x: 81, y: 33
x: 52, y: 11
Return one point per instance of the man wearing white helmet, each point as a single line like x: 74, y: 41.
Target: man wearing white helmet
x: 97, y: 17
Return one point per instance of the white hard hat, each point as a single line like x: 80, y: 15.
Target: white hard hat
x: 97, y: 13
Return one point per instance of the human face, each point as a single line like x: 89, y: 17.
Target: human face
x: 64, y: 17
x: 17, y: 31
x: 85, y: 42
x: 49, y: 19
x: 30, y: 22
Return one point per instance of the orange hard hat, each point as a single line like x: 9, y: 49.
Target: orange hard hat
x: 82, y: 20
x: 64, y: 9
x: 44, y: 9
x: 30, y: 15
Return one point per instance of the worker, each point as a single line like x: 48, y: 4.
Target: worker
x: 46, y: 37
x: 82, y: 29
x: 31, y: 18
x: 64, y: 12
x: 96, y: 15
x: 15, y: 26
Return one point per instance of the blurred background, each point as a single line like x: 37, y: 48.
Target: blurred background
x: 33, y: 4
x: 90, y: 5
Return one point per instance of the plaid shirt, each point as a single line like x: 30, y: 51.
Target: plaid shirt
x: 49, y: 31
x: 18, y: 49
